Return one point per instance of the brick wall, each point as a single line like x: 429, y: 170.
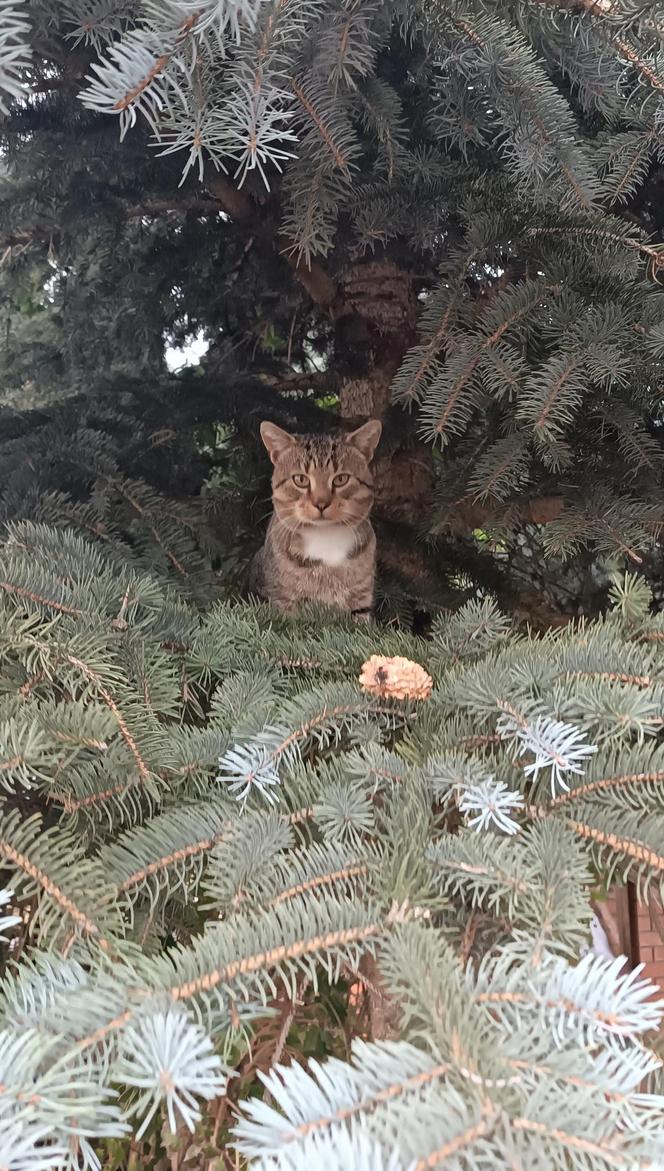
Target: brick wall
x: 641, y: 931
x: 650, y: 942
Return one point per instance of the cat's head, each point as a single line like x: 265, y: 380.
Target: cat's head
x: 322, y: 479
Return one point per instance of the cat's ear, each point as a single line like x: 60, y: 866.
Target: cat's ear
x: 365, y: 439
x: 276, y: 440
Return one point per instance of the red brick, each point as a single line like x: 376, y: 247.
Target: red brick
x: 650, y: 939
x: 646, y: 956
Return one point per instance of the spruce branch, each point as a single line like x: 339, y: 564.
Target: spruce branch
x: 189, y: 833
x: 94, y: 677
x: 170, y: 1060
x: 132, y: 81
x: 96, y: 800
x: 591, y: 788
x: 39, y: 859
x: 282, y: 955
x: 310, y: 100
x: 594, y: 998
x: 611, y: 238
x: 313, y: 277
x: 454, y: 394
x: 479, y: 148
x: 491, y: 805
x: 625, y: 162
x: 556, y: 745
x: 15, y: 51
x: 369, y: 794
x: 22, y: 1147
x: 344, y: 875
x: 313, y: 1102
x: 621, y: 846
x: 7, y: 921
x: 479, y: 869
x: 355, y: 1152
x: 253, y: 767
x: 260, y: 135
x: 415, y: 371
x: 553, y: 158
x: 220, y: 17
x: 256, y: 764
x: 101, y: 22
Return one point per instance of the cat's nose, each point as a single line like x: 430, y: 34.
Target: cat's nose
x: 321, y: 505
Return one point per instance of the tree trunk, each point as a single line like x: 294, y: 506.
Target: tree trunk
x: 377, y: 327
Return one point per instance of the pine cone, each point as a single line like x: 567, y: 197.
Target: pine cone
x: 395, y: 678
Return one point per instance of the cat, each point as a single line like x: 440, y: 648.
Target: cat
x: 320, y: 545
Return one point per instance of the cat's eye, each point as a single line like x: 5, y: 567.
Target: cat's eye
x: 340, y: 480
x: 301, y: 481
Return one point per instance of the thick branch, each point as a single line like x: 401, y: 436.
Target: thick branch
x: 465, y: 514
x: 243, y: 209
x: 312, y: 380
x: 322, y: 289
x: 159, y: 207
x: 149, y: 210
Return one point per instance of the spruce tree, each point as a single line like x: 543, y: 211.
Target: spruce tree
x: 445, y: 213
x: 292, y: 893
x: 217, y: 825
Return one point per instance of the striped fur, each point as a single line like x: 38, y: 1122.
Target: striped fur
x: 320, y: 546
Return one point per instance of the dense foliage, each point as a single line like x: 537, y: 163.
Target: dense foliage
x: 259, y: 905
x: 213, y: 832
x: 450, y: 207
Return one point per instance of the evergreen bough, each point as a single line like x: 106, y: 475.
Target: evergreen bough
x: 243, y: 895
x: 208, y: 823
x: 452, y: 208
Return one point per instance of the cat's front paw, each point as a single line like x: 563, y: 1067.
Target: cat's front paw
x: 362, y: 615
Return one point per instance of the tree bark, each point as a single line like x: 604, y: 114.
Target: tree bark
x: 377, y: 327
x: 384, y: 1014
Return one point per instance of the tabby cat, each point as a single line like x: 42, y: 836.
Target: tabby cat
x: 320, y: 546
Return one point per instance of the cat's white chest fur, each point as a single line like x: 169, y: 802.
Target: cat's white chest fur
x: 331, y: 544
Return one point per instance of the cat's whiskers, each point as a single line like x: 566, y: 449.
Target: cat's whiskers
x: 351, y: 521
